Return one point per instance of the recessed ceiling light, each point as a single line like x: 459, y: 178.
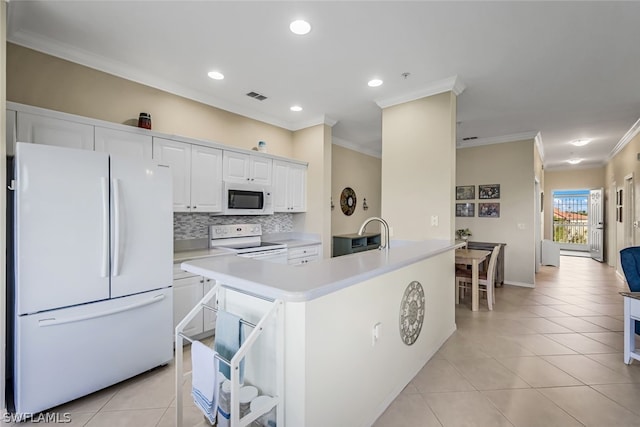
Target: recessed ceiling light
x: 216, y: 75
x: 580, y: 142
x: 300, y: 27
x: 574, y: 161
x: 374, y: 83
x: 296, y: 108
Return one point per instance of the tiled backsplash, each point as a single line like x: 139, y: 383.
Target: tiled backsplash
x: 196, y: 225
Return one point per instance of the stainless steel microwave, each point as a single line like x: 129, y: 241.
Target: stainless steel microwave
x: 246, y: 199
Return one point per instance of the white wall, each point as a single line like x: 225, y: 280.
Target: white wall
x: 512, y: 166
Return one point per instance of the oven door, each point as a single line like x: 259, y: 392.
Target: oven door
x: 278, y: 256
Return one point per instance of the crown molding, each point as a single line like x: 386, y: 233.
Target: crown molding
x: 88, y: 59
x: 450, y: 84
x: 322, y: 120
x: 502, y: 139
x: 360, y: 148
x: 631, y: 133
x: 566, y: 167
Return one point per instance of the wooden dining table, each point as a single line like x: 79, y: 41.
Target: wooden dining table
x: 472, y: 257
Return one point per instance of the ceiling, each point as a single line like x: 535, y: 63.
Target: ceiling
x: 559, y: 70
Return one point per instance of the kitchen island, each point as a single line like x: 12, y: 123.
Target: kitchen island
x: 345, y: 359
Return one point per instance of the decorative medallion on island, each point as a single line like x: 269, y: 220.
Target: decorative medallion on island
x: 348, y: 201
x: 412, y: 310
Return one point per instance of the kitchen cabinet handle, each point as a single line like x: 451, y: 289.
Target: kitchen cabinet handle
x: 117, y: 228
x: 105, y: 227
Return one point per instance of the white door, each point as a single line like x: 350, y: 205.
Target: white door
x: 280, y: 188
x: 206, y: 179
x: 142, y: 226
x: 260, y: 170
x: 50, y: 131
x: 235, y: 166
x: 121, y: 143
x: 187, y: 293
x: 62, y: 227
x: 176, y: 155
x: 596, y: 224
x: 298, y: 185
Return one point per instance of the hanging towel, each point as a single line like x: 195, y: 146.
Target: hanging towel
x: 229, y: 338
x: 205, y: 379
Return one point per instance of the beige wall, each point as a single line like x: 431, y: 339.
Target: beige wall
x: 575, y: 179
x: 625, y: 163
x: 363, y: 174
x: 512, y: 166
x: 45, y: 81
x: 314, y: 146
x: 418, y: 167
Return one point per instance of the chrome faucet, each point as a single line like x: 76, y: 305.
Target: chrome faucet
x: 385, y: 225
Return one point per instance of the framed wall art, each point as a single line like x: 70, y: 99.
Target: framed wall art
x: 490, y: 191
x: 465, y: 192
x: 465, y: 209
x: 489, y: 210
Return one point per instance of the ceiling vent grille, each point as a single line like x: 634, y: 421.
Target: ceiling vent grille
x: 469, y: 138
x: 256, y: 95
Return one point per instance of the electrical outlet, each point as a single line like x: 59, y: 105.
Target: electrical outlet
x: 434, y: 220
x: 375, y: 334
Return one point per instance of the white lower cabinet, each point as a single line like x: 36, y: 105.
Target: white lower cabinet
x: 187, y: 291
x: 304, y: 254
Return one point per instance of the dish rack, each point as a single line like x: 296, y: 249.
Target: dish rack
x: 275, y: 311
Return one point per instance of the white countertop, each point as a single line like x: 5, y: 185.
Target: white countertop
x: 199, y: 253
x: 316, y: 279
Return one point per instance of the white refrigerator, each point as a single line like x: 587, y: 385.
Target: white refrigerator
x: 92, y: 263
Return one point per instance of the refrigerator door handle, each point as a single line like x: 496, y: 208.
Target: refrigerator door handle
x: 105, y: 227
x: 52, y: 321
x: 116, y: 223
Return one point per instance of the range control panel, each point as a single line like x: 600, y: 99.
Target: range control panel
x: 234, y: 230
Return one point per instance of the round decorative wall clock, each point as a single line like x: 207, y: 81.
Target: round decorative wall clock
x: 348, y: 201
x: 412, y: 310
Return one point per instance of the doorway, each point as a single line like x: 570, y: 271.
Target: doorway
x: 571, y: 220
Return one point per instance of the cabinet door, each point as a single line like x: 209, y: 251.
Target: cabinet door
x: 51, y: 131
x: 11, y: 132
x: 209, y: 317
x: 186, y: 294
x: 260, y: 170
x: 280, y: 186
x: 206, y: 179
x: 176, y: 155
x: 122, y: 143
x: 235, y: 166
x: 297, y: 188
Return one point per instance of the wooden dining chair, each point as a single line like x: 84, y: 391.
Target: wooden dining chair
x: 485, y: 279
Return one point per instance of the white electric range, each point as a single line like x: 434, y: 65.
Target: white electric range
x: 246, y: 241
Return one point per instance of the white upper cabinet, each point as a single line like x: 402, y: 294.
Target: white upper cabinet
x: 240, y: 167
x: 289, y: 187
x: 122, y: 143
x: 197, y: 174
x: 206, y: 179
x: 53, y: 131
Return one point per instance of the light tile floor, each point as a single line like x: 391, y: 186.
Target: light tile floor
x: 548, y: 356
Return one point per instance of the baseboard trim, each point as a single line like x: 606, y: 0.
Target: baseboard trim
x: 521, y: 284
